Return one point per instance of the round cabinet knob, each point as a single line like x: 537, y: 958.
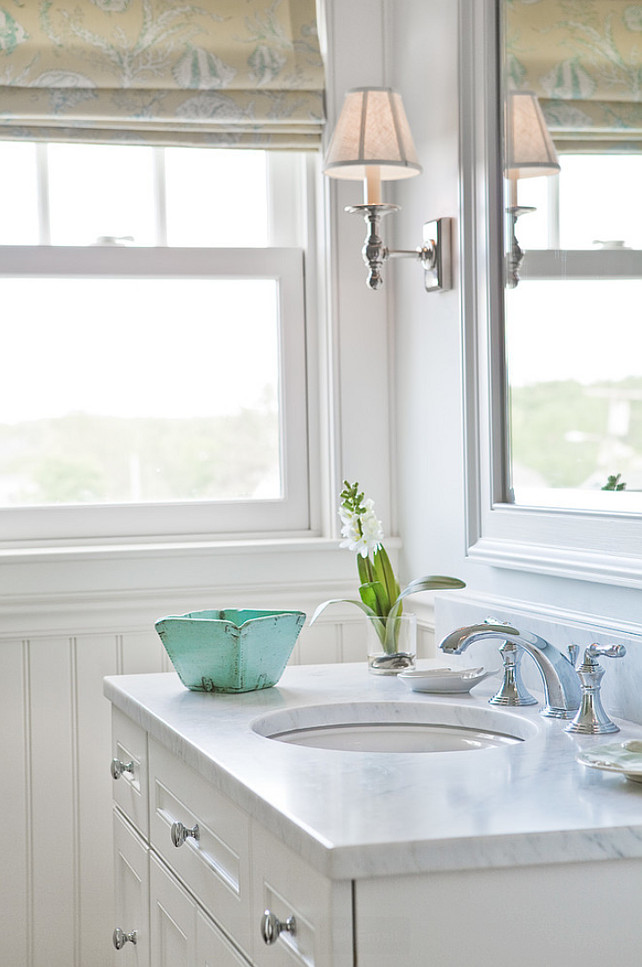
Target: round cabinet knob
x: 272, y: 927
x: 118, y: 767
x: 120, y: 938
x: 180, y: 833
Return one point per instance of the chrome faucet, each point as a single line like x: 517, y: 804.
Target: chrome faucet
x: 561, y: 683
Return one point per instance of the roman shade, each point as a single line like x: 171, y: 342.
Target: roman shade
x: 583, y: 60
x: 244, y: 73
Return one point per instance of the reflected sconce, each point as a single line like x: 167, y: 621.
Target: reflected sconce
x: 529, y: 153
x: 372, y: 143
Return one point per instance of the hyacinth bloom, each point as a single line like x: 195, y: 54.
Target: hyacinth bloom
x: 380, y: 596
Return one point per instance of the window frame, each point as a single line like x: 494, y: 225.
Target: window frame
x: 183, y: 519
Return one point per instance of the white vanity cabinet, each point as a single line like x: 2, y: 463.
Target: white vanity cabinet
x: 212, y: 900
x: 470, y: 859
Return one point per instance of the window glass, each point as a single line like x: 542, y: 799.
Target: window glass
x: 98, y: 191
x: 599, y: 204
x: 216, y: 197
x: 600, y: 201
x: 575, y: 380
x: 138, y: 390
x: 19, y: 221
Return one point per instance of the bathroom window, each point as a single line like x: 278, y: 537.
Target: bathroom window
x: 154, y: 342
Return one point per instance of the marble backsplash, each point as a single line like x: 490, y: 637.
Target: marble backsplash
x: 622, y: 683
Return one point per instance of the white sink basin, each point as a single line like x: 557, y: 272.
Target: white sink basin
x: 395, y: 727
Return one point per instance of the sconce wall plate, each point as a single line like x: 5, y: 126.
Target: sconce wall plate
x: 437, y: 238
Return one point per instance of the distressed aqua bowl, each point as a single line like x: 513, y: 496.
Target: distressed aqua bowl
x: 230, y: 650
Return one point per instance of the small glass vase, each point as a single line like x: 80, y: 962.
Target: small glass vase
x: 391, y: 644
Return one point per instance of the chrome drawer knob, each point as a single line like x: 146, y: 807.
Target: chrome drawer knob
x: 118, y: 767
x: 272, y: 927
x: 120, y: 938
x: 180, y: 833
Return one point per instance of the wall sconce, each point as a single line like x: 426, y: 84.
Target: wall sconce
x: 372, y: 143
x: 529, y: 153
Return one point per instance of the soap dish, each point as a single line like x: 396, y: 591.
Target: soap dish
x: 444, y: 680
x: 622, y: 757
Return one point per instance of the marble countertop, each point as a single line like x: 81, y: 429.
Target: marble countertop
x: 358, y: 814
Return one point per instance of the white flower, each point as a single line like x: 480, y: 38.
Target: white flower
x: 362, y: 532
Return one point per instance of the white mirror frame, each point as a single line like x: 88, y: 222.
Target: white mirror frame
x: 587, y: 545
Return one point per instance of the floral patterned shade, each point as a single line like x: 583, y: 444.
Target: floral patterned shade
x: 583, y: 58
x: 244, y: 73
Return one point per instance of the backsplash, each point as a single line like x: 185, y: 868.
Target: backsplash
x: 622, y: 683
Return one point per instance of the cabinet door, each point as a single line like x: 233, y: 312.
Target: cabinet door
x: 131, y: 859
x: 213, y: 949
x: 287, y: 887
x: 172, y: 919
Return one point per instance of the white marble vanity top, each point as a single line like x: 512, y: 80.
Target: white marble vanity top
x: 356, y: 814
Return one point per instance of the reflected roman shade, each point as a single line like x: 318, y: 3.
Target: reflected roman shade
x: 245, y: 73
x: 584, y: 62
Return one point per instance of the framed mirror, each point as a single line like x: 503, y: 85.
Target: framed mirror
x: 572, y: 159
x: 552, y: 285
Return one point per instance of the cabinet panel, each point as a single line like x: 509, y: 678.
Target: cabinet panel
x: 129, y: 745
x: 287, y: 886
x: 575, y: 913
x: 172, y: 920
x: 215, y: 866
x: 213, y: 949
x: 131, y: 874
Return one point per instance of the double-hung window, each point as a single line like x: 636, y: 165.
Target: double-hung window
x: 153, y: 342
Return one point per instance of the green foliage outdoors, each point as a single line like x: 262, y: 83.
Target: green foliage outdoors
x: 558, y: 430
x: 91, y: 459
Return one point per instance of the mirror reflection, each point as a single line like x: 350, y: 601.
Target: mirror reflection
x: 573, y: 252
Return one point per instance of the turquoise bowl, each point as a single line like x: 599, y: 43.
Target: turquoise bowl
x: 230, y: 650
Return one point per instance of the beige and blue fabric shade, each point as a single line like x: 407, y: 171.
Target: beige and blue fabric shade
x: 583, y: 62
x: 218, y: 72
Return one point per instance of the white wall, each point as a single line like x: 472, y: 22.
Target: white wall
x: 70, y: 615
x: 429, y: 340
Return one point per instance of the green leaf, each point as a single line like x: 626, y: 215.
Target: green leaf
x: 434, y: 582
x: 359, y: 604
x: 368, y: 596
x: 382, y: 605
x: 364, y: 567
x: 385, y: 573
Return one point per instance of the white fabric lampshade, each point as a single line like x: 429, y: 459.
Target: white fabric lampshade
x: 530, y: 151
x: 372, y: 132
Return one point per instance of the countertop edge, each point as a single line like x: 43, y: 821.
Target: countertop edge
x: 359, y: 861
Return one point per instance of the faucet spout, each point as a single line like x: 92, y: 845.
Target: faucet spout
x: 561, y: 683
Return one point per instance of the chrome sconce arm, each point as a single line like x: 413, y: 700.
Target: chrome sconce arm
x: 434, y: 254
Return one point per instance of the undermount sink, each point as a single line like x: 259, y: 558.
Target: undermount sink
x: 395, y: 727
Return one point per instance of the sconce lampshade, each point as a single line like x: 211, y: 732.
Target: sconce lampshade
x: 372, y: 132
x: 530, y: 151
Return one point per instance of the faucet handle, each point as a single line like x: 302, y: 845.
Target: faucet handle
x: 607, y: 651
x: 591, y: 719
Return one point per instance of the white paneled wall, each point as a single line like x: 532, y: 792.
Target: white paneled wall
x: 56, y: 882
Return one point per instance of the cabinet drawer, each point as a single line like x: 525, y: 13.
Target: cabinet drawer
x: 287, y: 886
x: 129, y: 749
x: 214, y: 866
x: 131, y: 874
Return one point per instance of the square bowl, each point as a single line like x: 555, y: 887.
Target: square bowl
x: 230, y: 650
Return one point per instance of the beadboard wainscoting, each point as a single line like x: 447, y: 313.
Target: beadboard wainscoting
x: 56, y: 888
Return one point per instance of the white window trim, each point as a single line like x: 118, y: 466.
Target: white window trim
x: 595, y: 546
x: 202, y: 519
